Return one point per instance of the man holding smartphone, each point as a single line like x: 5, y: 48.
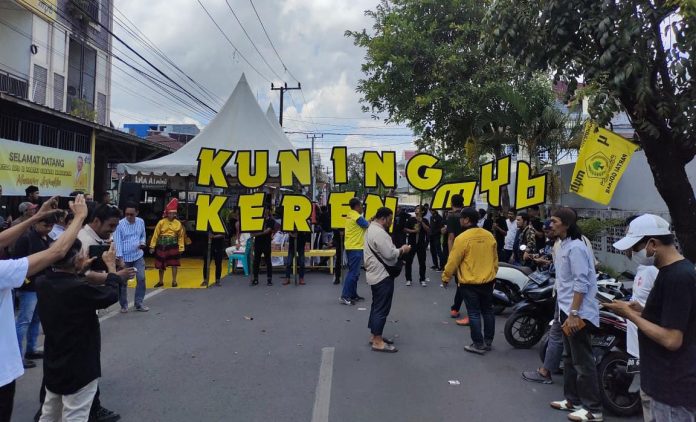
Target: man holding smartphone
x: 129, y: 238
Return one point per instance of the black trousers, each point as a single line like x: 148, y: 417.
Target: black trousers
x: 419, y: 251
x: 262, y: 248
x: 382, y: 294
x: 458, y: 298
x: 436, y: 251
x: 217, y: 254
x: 339, y: 258
x: 580, y: 385
x: 445, y: 251
x: 7, y: 393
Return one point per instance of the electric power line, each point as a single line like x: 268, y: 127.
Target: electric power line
x: 252, y: 41
x: 271, y: 42
x: 231, y: 43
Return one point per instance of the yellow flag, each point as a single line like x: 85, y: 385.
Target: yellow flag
x: 602, y: 160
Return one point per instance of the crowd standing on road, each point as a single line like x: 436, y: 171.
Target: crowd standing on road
x: 63, y: 272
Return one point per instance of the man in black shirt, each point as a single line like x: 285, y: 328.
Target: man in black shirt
x: 454, y: 229
x: 262, y: 246
x: 401, y: 218
x: 72, y: 346
x: 666, y: 326
x: 436, y: 224
x: 28, y: 323
x: 418, y: 230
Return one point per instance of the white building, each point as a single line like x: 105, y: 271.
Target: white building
x: 56, y: 53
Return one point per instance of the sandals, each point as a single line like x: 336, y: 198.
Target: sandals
x: 386, y: 340
x: 174, y: 284
x: 388, y: 348
x: 159, y: 284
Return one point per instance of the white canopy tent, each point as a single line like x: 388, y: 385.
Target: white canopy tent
x: 240, y: 125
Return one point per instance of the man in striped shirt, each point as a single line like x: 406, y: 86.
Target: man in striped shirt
x: 130, y: 244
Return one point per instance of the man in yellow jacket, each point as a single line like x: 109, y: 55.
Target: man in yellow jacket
x: 474, y: 260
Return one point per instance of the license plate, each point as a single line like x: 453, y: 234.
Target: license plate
x: 602, y: 341
x: 633, y: 366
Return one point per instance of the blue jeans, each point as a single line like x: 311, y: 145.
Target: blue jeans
x: 139, y: 266
x: 28, y: 323
x: 350, y: 285
x: 659, y: 411
x: 479, y: 306
x: 382, y: 294
x: 554, y: 349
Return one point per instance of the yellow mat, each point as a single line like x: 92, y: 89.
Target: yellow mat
x: 189, y: 276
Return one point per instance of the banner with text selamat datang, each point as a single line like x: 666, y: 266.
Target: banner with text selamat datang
x: 54, y: 171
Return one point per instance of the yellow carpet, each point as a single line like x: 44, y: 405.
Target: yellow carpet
x: 190, y: 275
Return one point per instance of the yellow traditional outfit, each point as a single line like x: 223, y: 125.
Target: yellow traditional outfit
x: 168, y: 240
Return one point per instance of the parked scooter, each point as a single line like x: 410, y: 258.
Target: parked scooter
x: 509, y: 282
x: 530, y: 317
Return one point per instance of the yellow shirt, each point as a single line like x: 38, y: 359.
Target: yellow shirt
x: 474, y: 257
x: 355, y: 231
x: 168, y: 228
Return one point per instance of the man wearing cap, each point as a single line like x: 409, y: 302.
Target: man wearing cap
x: 666, y: 323
x: 474, y: 260
x: 26, y: 211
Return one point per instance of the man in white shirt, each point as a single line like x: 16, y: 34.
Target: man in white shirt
x: 14, y: 272
x: 510, y: 236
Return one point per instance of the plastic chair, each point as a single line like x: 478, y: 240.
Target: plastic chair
x: 241, y: 256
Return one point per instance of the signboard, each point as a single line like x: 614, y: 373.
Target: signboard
x: 602, y: 161
x: 151, y: 182
x: 46, y: 9
x: 54, y: 171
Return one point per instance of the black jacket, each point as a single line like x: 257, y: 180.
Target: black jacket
x: 30, y: 243
x: 68, y: 308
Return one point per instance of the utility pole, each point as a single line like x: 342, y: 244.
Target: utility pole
x: 282, y: 90
x: 313, y: 137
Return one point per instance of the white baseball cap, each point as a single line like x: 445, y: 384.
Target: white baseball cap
x: 645, y: 225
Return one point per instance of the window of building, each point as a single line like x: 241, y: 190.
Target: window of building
x: 82, y: 69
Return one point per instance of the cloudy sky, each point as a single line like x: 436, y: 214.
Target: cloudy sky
x: 308, y: 34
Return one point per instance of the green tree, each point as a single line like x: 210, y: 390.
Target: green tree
x: 356, y: 175
x: 618, y: 48
x: 426, y: 66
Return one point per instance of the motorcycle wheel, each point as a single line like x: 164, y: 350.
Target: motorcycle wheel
x: 523, y: 330
x: 614, y: 383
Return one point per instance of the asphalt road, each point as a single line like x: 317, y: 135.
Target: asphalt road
x: 197, y: 357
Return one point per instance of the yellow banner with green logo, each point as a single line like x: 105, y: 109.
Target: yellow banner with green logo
x: 602, y: 160
x: 54, y: 171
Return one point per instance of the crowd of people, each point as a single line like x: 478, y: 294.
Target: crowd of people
x: 62, y: 265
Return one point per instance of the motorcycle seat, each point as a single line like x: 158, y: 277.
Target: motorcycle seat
x: 525, y: 270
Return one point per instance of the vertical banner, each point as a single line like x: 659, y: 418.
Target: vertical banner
x: 54, y: 171
x: 602, y: 160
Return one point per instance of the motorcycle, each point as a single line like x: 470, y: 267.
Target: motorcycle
x: 509, y: 282
x: 530, y: 317
x: 618, y: 380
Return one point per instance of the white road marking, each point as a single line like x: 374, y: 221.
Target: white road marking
x: 116, y: 311
x: 322, y: 398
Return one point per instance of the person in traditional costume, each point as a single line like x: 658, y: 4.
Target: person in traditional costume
x: 167, y: 242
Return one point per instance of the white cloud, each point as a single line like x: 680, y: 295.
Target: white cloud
x: 309, y: 34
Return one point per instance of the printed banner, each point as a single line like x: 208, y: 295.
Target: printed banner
x: 44, y: 8
x: 54, y: 171
x: 602, y: 160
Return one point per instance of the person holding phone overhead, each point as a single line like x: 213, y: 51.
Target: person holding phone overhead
x: 576, y: 284
x: 168, y: 242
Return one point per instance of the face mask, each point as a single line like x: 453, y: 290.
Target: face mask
x: 641, y: 258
